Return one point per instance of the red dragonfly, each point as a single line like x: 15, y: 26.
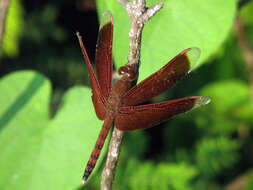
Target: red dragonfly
x: 120, y: 103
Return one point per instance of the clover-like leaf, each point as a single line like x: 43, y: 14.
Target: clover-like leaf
x: 36, y: 152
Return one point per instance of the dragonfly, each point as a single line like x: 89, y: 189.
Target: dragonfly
x: 121, y: 104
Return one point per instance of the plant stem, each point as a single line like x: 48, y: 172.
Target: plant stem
x: 240, y: 182
x: 139, y: 14
x: 4, y: 5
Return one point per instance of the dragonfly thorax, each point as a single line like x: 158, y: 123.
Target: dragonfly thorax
x: 113, y: 102
x: 121, y: 87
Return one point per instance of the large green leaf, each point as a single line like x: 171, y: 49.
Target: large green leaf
x: 179, y: 25
x: 36, y: 152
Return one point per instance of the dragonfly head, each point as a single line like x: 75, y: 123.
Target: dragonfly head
x: 128, y: 73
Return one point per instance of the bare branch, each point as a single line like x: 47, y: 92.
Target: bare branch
x: 112, y: 159
x: 152, y: 11
x: 4, y: 5
x: 139, y: 14
x: 240, y: 182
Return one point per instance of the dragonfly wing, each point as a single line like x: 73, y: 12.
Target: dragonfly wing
x: 98, y: 98
x: 146, y: 116
x: 163, y: 79
x: 104, y: 54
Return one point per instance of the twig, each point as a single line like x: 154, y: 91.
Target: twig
x: 246, y: 50
x: 240, y: 182
x: 4, y: 5
x: 139, y: 14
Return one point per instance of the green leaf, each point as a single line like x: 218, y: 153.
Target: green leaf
x: 36, y: 152
x: 24, y: 115
x: 249, y: 185
x: 177, y: 26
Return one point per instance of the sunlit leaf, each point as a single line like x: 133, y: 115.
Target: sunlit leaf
x: 179, y: 25
x: 36, y: 152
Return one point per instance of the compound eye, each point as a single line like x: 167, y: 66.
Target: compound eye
x: 127, y: 71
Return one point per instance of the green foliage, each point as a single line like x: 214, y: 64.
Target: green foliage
x: 13, y: 29
x: 37, y: 151
x: 202, y: 184
x: 216, y: 154
x: 135, y: 143
x: 163, y: 176
x: 178, y: 26
x: 230, y: 108
x: 249, y: 185
x: 246, y: 13
x: 41, y: 26
x: 147, y: 175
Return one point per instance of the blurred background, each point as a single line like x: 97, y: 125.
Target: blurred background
x: 41, y: 35
x: 210, y: 148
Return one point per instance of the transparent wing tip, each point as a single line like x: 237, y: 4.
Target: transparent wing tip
x: 201, y: 101
x: 193, y: 55
x: 106, y: 18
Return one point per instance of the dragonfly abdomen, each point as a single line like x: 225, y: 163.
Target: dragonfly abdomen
x: 97, y: 149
